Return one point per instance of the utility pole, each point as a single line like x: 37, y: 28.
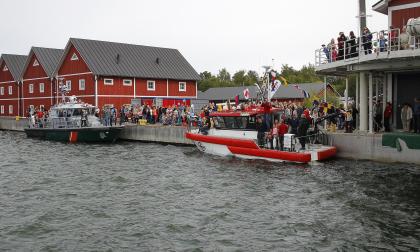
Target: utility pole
x: 362, y: 14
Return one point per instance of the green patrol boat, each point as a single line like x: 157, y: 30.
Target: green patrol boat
x: 72, y: 121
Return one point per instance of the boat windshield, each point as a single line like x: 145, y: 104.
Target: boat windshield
x: 69, y: 112
x: 234, y: 122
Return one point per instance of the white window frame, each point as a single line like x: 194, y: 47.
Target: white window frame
x: 151, y: 82
x: 82, y: 87
x: 74, y: 57
x: 1, y: 90
x: 68, y: 85
x: 127, y: 82
x: 10, y: 91
x: 41, y: 90
x: 36, y: 63
x: 185, y: 86
x: 5, y: 68
x: 2, y: 109
x: 10, y: 109
x: 31, y: 88
x: 111, y: 82
x: 42, y: 107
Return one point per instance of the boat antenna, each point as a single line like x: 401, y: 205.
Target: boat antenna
x: 62, y: 88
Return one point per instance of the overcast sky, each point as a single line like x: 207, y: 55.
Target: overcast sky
x: 211, y: 34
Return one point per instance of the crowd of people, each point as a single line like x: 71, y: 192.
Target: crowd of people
x: 289, y: 117
x: 176, y: 115
x: 345, y: 47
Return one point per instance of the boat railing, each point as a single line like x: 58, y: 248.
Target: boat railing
x: 312, y: 140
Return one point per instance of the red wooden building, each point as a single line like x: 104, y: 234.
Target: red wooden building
x: 398, y: 11
x: 108, y: 73
x: 10, y: 73
x: 38, y: 88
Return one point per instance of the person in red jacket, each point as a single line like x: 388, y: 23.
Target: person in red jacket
x: 267, y: 108
x: 282, y: 129
x: 387, y: 116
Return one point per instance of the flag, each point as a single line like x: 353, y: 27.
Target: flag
x: 284, y: 80
x: 246, y: 93
x: 274, y: 87
x: 304, y: 92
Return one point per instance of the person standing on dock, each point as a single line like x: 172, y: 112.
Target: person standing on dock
x: 387, y: 116
x: 302, y: 130
x: 406, y: 116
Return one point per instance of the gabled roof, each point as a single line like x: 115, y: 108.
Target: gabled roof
x: 15, y: 63
x: 225, y: 93
x: 127, y: 60
x: 284, y: 92
x: 48, y: 58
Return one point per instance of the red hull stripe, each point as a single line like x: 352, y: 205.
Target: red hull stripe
x: 274, y: 154
x: 73, y: 137
x: 325, y: 154
x: 244, y: 143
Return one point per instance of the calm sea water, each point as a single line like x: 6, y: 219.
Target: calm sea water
x: 134, y: 196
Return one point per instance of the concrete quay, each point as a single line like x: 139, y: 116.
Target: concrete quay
x: 10, y: 123
x: 155, y: 133
x: 368, y: 146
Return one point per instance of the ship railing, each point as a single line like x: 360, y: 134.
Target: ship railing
x: 381, y: 42
x: 312, y: 140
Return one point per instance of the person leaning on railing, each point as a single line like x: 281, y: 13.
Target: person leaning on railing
x: 352, y: 45
x: 404, y: 39
x: 367, y: 40
x: 340, y: 43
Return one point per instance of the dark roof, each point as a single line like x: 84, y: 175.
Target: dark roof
x: 118, y: 59
x: 225, y: 93
x: 48, y: 58
x: 284, y: 92
x: 15, y: 63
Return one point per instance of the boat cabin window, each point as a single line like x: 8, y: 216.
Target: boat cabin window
x: 234, y: 122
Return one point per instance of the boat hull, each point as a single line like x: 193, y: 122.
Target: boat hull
x: 248, y: 149
x: 88, y: 134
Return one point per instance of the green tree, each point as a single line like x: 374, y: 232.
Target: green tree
x: 240, y: 78
x: 206, y: 75
x: 224, y: 75
x: 252, y: 77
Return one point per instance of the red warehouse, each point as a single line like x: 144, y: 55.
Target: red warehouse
x: 10, y: 73
x: 108, y: 73
x: 38, y: 87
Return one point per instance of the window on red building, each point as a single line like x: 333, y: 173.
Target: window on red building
x: 127, y: 82
x: 68, y: 85
x: 31, y: 88
x: 2, y: 109
x: 10, y: 90
x: 151, y: 85
x: 74, y: 57
x: 82, y: 84
x: 10, y: 109
x: 41, y: 87
x: 1, y: 90
x: 108, y: 81
x: 182, y: 86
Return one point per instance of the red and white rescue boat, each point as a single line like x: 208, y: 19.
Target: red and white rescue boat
x: 234, y: 134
